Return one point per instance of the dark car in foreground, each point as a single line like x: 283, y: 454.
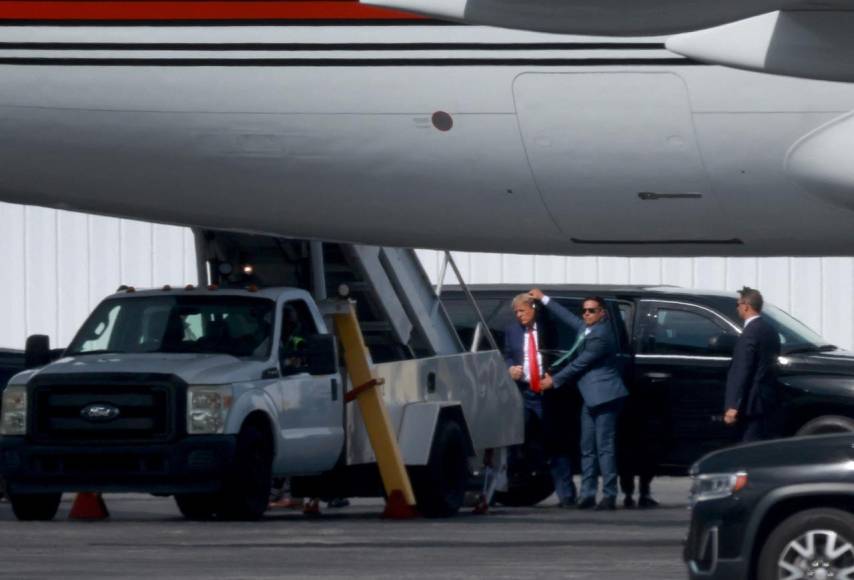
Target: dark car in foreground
x: 676, y: 347
x: 780, y: 509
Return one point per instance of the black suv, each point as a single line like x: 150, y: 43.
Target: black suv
x: 776, y: 509
x: 676, y: 350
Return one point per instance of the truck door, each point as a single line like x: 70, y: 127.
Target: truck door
x: 679, y: 369
x: 311, y: 419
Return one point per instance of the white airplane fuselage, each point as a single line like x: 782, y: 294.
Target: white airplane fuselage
x: 456, y: 137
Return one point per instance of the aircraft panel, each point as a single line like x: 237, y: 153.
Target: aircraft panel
x: 642, y: 123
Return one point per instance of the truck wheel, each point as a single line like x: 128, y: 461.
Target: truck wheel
x: 35, y: 506
x: 197, y: 506
x: 813, y: 543
x: 528, y: 491
x: 440, y: 486
x: 247, y: 487
x: 826, y: 425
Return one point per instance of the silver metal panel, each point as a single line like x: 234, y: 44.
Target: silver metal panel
x: 479, y: 382
x: 419, y: 423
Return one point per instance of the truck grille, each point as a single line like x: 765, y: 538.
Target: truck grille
x: 68, y: 413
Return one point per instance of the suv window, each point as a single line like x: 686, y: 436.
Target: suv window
x: 681, y: 331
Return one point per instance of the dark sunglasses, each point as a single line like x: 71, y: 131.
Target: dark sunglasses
x: 591, y: 310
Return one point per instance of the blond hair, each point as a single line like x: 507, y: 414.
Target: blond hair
x: 523, y: 298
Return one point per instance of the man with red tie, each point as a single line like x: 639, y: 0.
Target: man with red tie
x: 525, y: 363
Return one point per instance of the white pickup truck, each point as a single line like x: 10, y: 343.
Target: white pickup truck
x: 209, y: 394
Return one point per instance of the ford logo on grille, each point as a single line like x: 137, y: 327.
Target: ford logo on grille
x: 100, y: 412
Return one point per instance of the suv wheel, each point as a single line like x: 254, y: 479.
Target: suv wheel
x: 816, y: 543
x: 440, y: 486
x: 527, y: 489
x: 35, y: 506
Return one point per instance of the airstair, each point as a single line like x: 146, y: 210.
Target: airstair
x: 399, y: 309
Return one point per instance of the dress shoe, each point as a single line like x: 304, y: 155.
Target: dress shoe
x: 606, y: 504
x: 629, y: 502
x: 646, y: 501
x: 586, y: 503
x: 566, y: 504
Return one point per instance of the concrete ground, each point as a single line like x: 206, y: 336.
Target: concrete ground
x: 146, y: 537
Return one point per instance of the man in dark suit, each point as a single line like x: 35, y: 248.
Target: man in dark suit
x: 751, y: 387
x: 595, y: 371
x: 526, y: 364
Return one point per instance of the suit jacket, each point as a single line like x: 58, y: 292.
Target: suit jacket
x: 514, y: 350
x: 751, y: 385
x: 595, y: 366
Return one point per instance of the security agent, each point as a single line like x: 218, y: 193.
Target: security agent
x: 751, y: 392
x: 595, y: 372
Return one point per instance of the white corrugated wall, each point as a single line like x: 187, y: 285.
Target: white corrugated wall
x: 57, y: 265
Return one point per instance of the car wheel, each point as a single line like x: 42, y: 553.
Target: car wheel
x: 816, y: 543
x: 826, y: 425
x: 197, y: 506
x: 440, y: 486
x: 246, y: 493
x: 527, y: 490
x: 35, y: 506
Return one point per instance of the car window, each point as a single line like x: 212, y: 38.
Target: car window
x: 680, y: 331
x: 190, y: 323
x: 627, y: 310
x: 496, y: 311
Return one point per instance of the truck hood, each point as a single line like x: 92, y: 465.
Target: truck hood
x: 777, y: 454
x: 194, y: 369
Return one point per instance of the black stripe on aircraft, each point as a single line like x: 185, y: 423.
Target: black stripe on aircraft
x: 346, y: 62
x: 733, y: 241
x: 315, y: 46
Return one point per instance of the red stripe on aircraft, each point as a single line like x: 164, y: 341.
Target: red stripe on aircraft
x: 130, y: 10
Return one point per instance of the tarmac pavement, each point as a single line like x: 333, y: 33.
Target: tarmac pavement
x: 146, y: 537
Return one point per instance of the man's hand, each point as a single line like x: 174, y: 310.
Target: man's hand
x: 536, y: 294
x: 731, y: 416
x: 517, y: 372
x: 546, y: 383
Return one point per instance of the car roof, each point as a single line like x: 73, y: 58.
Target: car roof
x: 605, y: 290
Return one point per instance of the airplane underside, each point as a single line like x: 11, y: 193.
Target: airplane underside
x: 525, y: 143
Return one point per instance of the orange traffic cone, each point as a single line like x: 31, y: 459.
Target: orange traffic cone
x: 88, y: 506
x: 396, y: 507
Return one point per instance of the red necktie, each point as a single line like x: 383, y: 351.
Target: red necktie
x: 532, y: 362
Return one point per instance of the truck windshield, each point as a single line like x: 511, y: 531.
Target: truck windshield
x: 795, y: 336
x: 235, y: 325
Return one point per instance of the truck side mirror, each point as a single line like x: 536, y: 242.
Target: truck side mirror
x: 723, y: 343
x: 37, y: 351
x: 322, y: 354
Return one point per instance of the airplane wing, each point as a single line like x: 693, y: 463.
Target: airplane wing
x: 801, y: 38
x: 605, y: 17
